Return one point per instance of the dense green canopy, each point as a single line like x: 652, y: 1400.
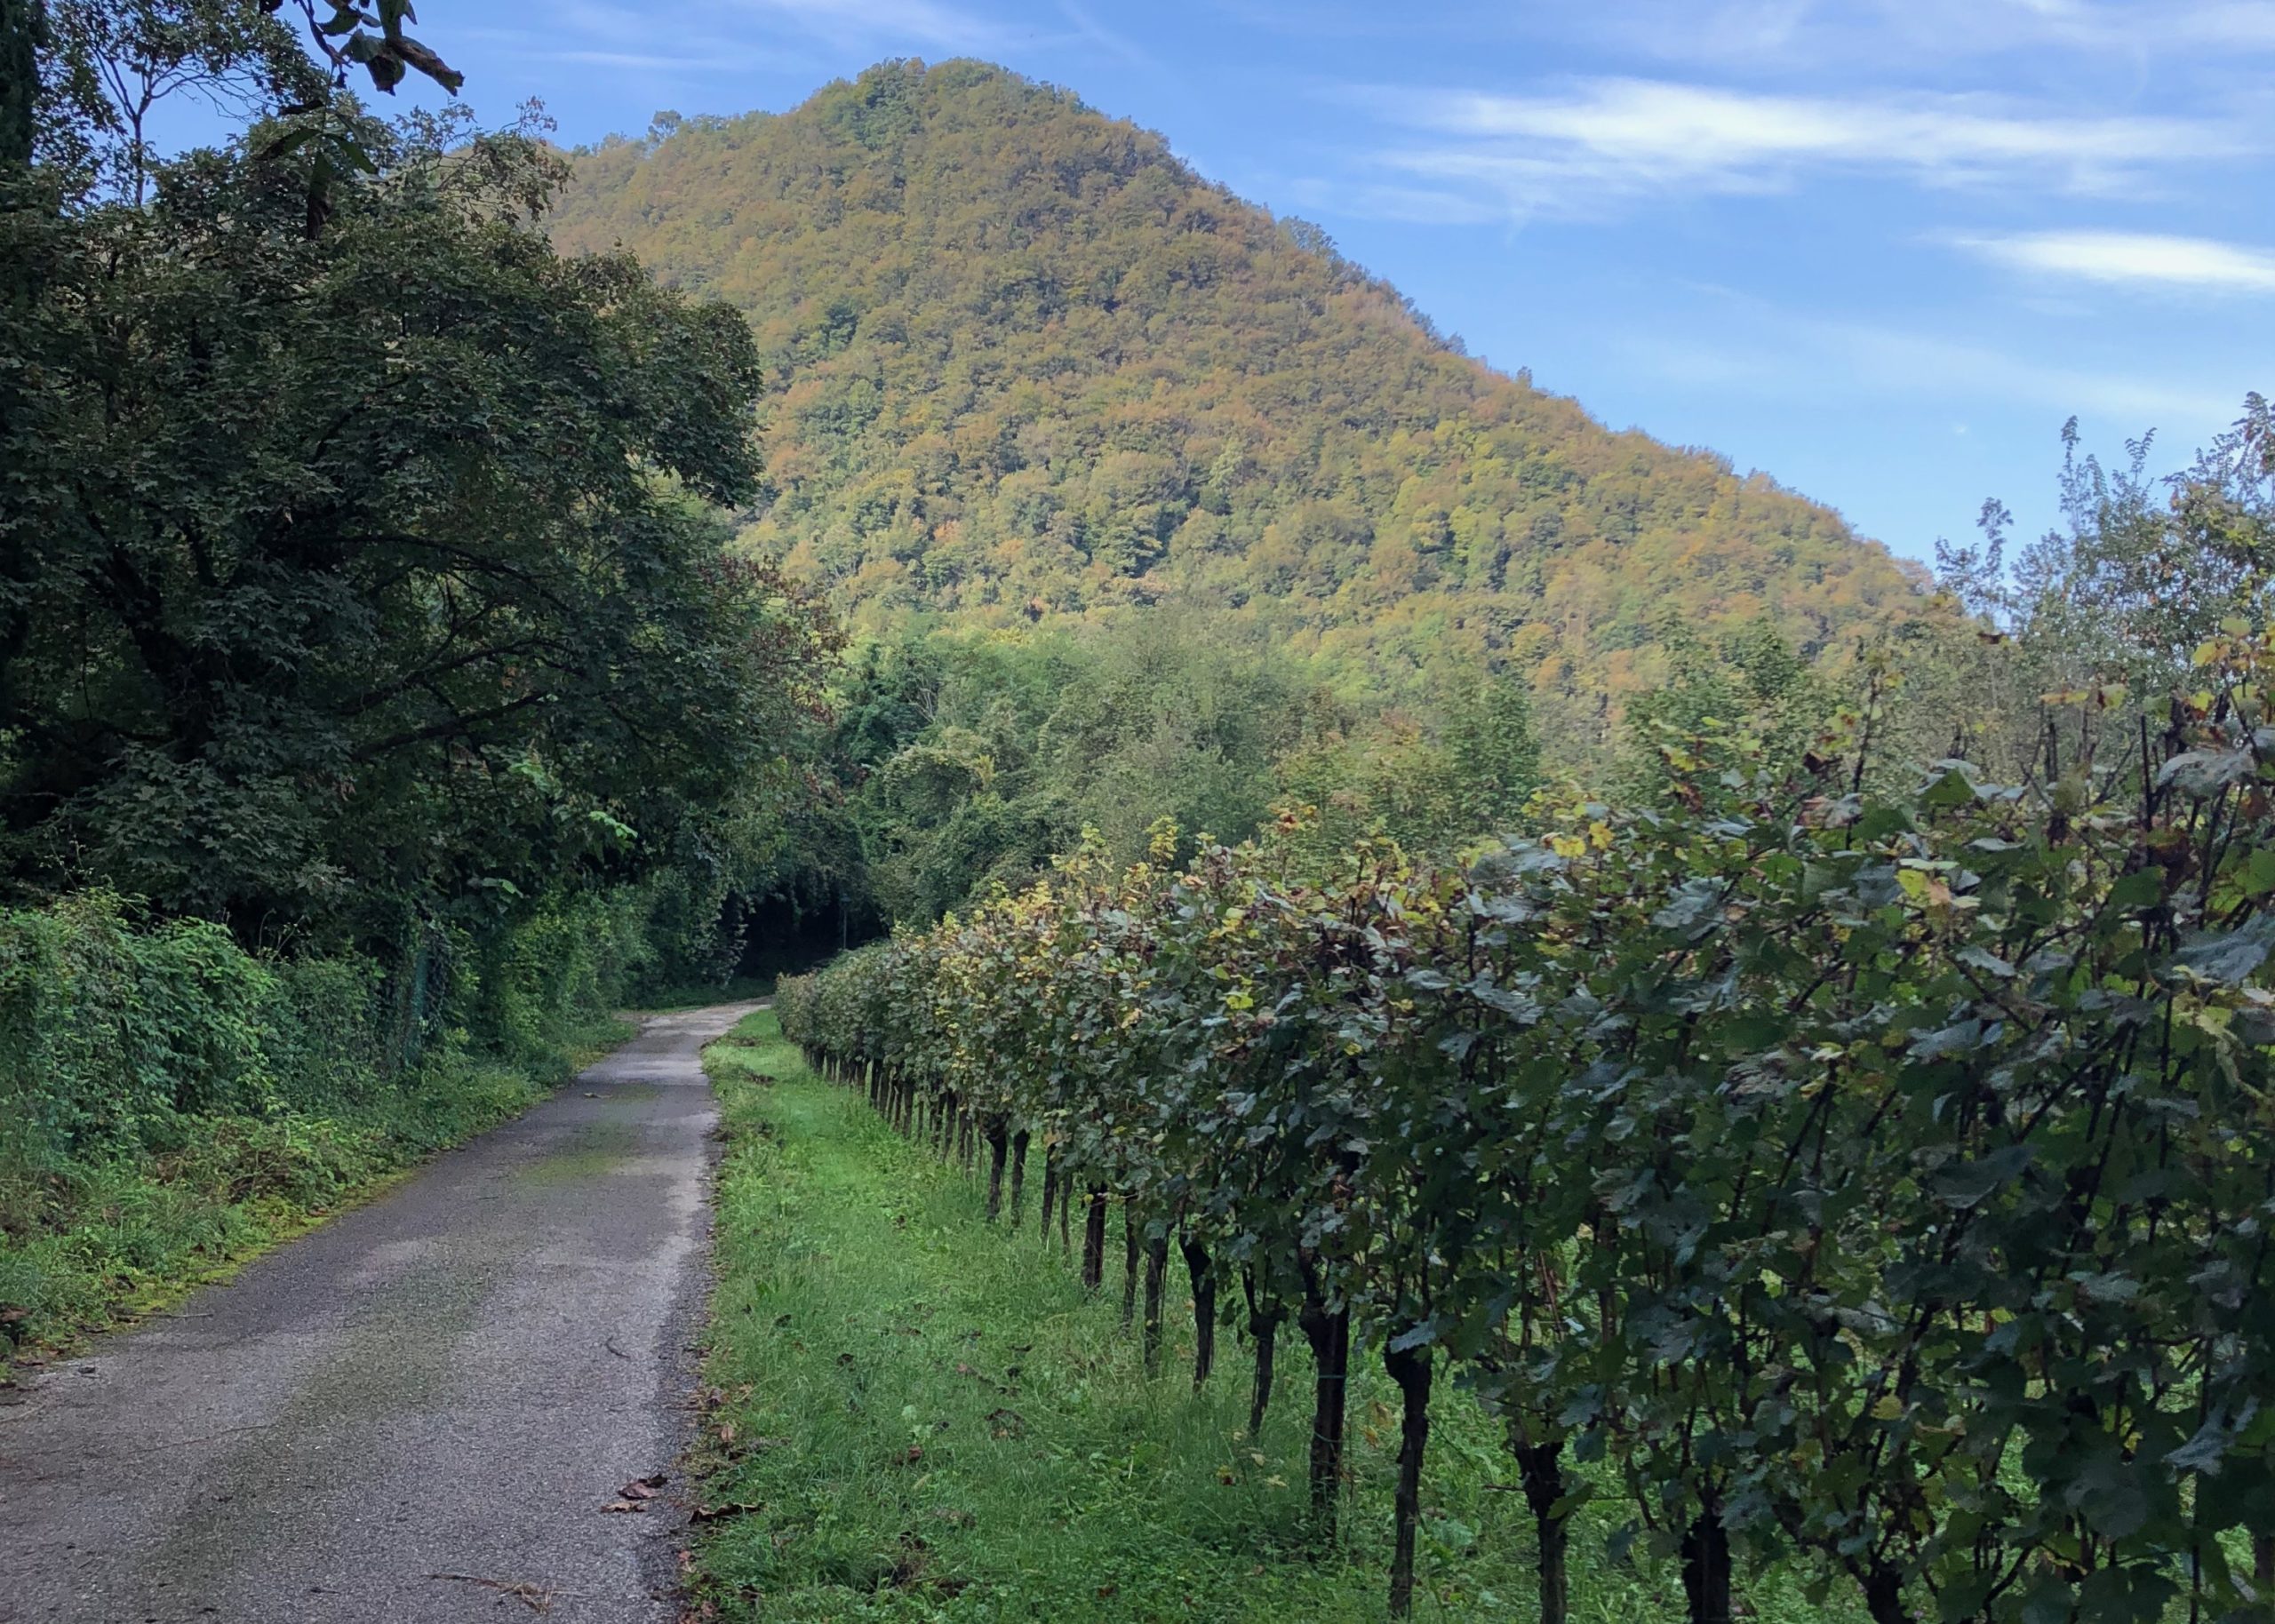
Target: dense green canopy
x: 357, y: 555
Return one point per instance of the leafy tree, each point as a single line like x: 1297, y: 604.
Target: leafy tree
x: 115, y: 61
x: 2115, y: 602
x: 361, y: 561
x: 23, y: 32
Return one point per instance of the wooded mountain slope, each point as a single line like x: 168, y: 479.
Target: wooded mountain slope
x: 1022, y: 362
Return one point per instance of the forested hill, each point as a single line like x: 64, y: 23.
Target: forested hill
x: 1022, y: 362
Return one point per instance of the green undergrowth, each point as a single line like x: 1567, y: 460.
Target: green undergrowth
x: 915, y: 1417
x: 87, y: 1244
x: 702, y: 994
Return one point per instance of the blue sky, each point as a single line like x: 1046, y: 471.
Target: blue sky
x: 1880, y: 249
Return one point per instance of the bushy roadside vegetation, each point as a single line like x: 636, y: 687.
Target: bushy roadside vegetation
x: 170, y: 1101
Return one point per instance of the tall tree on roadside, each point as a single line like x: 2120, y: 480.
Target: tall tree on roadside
x: 359, y: 558
x: 23, y: 30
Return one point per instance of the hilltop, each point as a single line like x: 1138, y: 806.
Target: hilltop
x: 1022, y: 362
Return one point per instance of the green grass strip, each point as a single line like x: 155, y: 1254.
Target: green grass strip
x: 917, y: 1417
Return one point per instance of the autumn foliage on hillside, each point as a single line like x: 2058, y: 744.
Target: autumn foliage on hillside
x: 1023, y: 362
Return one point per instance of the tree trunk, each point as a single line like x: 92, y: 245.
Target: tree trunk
x: 1204, y: 1308
x: 1019, y: 1175
x: 1049, y: 1187
x: 999, y: 1150
x: 1157, y: 1268
x: 1329, y: 1336
x: 1094, y: 1240
x: 1128, y: 1260
x: 1410, y: 1368
x: 1264, y: 1326
x: 1540, y: 1468
x: 1706, y: 1566
x: 1884, y: 1595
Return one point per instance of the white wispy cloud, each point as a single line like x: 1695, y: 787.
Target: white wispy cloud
x: 2137, y: 259
x: 1600, y: 140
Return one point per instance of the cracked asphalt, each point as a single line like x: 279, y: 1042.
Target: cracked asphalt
x: 414, y: 1413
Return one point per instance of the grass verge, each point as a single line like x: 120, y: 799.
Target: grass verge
x: 916, y: 1417
x: 88, y: 1246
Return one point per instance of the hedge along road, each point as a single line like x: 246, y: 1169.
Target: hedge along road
x: 421, y: 1412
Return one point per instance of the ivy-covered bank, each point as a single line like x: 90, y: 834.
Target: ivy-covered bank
x: 170, y: 1101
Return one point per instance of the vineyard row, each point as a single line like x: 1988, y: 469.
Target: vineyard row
x: 1877, y: 1182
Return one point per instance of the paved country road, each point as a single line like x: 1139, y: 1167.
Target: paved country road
x: 452, y: 1381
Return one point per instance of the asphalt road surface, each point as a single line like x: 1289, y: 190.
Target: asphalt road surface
x: 417, y: 1412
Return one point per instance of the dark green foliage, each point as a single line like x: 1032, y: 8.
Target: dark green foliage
x: 348, y: 573
x: 975, y: 757
x: 169, y: 1100
x: 968, y: 758
x: 359, y: 575
x: 23, y: 30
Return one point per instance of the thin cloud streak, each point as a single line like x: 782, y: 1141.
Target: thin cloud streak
x: 1603, y: 139
x: 2127, y: 257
